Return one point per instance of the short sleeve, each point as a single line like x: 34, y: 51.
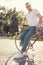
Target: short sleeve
x: 35, y: 11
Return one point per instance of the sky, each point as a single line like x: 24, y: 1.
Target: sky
x: 20, y: 4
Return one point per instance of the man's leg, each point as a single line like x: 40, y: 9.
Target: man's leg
x: 23, y: 34
x: 28, y: 37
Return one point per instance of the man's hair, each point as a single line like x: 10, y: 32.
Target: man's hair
x: 27, y: 3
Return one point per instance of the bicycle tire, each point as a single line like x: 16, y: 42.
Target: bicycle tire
x: 9, y: 59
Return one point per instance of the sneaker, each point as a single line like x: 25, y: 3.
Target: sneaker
x: 19, y: 55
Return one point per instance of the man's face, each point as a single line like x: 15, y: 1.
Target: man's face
x: 28, y: 6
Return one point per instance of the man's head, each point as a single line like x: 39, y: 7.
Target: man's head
x: 28, y: 6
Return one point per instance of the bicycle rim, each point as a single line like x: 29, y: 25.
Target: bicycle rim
x: 10, y: 60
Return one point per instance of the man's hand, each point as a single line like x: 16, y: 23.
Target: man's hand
x: 24, y: 24
x: 37, y: 28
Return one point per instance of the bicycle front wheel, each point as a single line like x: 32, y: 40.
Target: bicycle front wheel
x: 10, y: 60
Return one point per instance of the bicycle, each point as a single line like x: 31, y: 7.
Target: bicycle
x: 25, y: 60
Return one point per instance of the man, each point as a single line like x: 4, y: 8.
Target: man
x: 34, y: 21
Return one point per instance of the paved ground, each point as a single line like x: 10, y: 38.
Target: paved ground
x: 7, y: 48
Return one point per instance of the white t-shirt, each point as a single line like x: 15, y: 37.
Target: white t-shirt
x: 32, y: 18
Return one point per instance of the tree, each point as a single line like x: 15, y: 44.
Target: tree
x: 14, y: 23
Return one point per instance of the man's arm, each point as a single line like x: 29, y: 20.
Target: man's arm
x: 40, y: 18
x: 40, y: 21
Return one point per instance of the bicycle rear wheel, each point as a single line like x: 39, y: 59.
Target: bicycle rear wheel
x: 18, y: 42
